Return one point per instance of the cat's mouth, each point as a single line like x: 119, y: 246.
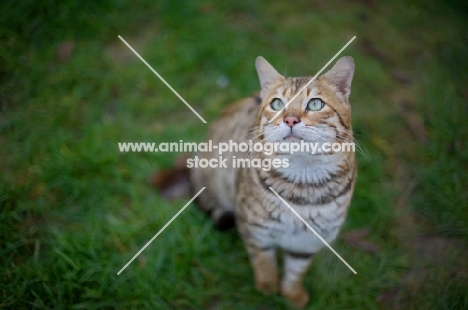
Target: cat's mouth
x: 292, y: 138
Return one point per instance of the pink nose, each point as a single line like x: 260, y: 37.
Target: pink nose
x: 291, y: 120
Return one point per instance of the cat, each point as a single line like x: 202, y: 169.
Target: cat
x: 318, y: 186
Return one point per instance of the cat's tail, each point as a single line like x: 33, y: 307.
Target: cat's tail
x: 174, y: 183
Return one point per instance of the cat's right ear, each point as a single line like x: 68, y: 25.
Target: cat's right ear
x: 267, y: 75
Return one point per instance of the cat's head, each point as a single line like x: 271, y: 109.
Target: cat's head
x: 319, y: 113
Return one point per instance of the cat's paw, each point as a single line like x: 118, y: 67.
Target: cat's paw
x: 298, y: 297
x: 267, y: 287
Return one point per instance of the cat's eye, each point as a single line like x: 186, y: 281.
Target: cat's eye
x: 315, y: 105
x: 277, y: 104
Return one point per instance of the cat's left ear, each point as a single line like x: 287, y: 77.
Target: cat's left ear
x: 341, y: 75
x: 266, y: 74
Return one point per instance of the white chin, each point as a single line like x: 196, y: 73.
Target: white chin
x: 292, y: 138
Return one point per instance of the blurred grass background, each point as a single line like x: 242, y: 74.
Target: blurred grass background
x: 74, y: 210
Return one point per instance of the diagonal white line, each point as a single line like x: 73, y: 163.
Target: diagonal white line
x: 164, y: 81
x: 313, y: 230
x: 311, y: 80
x: 159, y: 232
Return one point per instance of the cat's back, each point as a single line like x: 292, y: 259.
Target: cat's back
x: 232, y: 127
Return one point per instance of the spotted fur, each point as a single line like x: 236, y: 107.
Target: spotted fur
x: 319, y: 187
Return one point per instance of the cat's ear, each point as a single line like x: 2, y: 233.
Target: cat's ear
x: 341, y: 75
x: 266, y: 74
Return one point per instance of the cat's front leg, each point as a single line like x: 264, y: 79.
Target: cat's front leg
x: 295, y: 267
x: 263, y: 261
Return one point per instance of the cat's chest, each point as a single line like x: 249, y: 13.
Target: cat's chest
x: 273, y: 223
x: 318, y: 193
x: 320, y: 183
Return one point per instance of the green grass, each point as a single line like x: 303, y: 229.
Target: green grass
x: 74, y: 211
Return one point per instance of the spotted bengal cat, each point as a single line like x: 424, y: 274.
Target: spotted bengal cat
x: 318, y: 186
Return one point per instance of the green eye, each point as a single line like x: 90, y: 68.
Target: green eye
x: 315, y: 105
x: 277, y: 104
